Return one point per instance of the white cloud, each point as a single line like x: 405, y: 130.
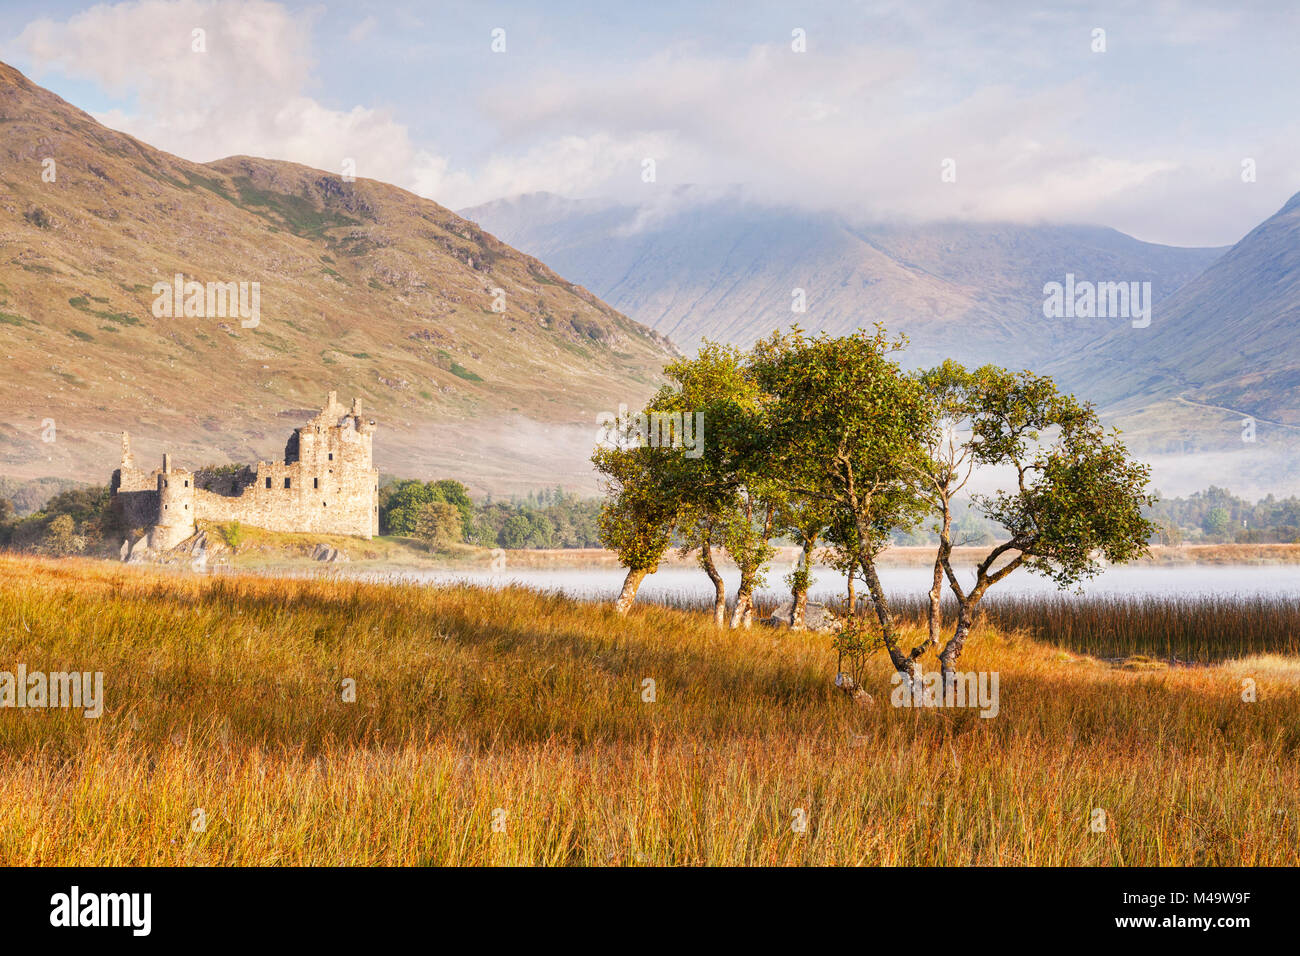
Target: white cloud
x: 362, y: 30
x: 245, y: 96
x: 861, y: 126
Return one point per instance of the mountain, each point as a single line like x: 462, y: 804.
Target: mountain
x: 1223, y: 342
x: 724, y: 268
x: 365, y: 289
x: 1210, y: 391
x: 1230, y: 339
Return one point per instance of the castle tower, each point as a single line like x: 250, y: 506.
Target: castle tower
x: 175, y: 507
x: 128, y: 460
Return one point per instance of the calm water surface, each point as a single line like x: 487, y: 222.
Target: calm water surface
x: 679, y: 584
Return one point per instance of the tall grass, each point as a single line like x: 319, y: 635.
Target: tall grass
x: 528, y: 710
x: 1181, y: 628
x: 1201, y: 629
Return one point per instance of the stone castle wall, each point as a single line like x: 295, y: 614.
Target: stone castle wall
x: 327, y: 484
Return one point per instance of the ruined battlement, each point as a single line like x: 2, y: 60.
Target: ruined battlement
x: 326, y: 484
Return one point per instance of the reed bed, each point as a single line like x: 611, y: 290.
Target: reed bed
x: 509, y: 727
x: 1175, y: 628
x: 1199, y: 629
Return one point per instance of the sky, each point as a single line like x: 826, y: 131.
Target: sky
x: 910, y: 110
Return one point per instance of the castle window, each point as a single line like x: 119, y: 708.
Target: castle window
x: 315, y: 482
x: 268, y: 482
x: 331, y: 456
x: 187, y: 482
x: 324, y: 504
x: 187, y: 507
x: 286, y: 482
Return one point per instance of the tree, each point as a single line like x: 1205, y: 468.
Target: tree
x: 1217, y: 522
x: 805, y: 521
x: 402, y: 502
x: 747, y: 538
x: 1076, y: 498
x: 541, y: 530
x: 439, y: 524
x: 402, y: 506
x: 701, y: 532
x: 946, y: 469
x: 844, y: 427
x: 454, y: 493
x: 656, y: 484
x: 641, y: 507
x: 1167, y: 532
x: 725, y: 493
x: 61, y: 537
x: 515, y: 531
x: 6, y: 521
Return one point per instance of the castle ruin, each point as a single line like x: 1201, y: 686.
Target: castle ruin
x: 326, y: 484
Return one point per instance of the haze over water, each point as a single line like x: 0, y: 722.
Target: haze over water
x: 680, y: 583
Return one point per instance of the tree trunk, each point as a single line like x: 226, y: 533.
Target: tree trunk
x: 940, y: 561
x: 952, y: 650
x: 719, y: 586
x: 936, y: 603
x: 628, y: 594
x: 742, y: 615
x: 799, y: 591
x: 902, y: 663
x: 799, y: 610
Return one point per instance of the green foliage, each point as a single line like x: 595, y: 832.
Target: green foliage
x: 1217, y: 522
x: 61, y: 538
x: 546, y: 519
x: 1078, y: 498
x: 825, y: 438
x: 1198, y: 517
x: 845, y: 428
x: 400, y: 505
x: 640, y: 513
x: 72, y: 522
x: 514, y: 533
x: 298, y: 214
x: 82, y: 304
x: 232, y: 534
x: 439, y: 524
x: 461, y: 371
x: 857, y: 639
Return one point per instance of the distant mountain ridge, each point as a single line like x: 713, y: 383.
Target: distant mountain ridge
x: 1222, y: 346
x: 477, y: 361
x: 726, y: 269
x: 1230, y: 338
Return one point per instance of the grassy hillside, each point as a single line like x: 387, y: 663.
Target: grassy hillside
x: 365, y: 289
x: 223, y: 695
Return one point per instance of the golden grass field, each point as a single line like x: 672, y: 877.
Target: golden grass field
x: 223, y: 693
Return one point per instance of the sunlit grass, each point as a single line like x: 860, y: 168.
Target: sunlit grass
x: 223, y: 694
